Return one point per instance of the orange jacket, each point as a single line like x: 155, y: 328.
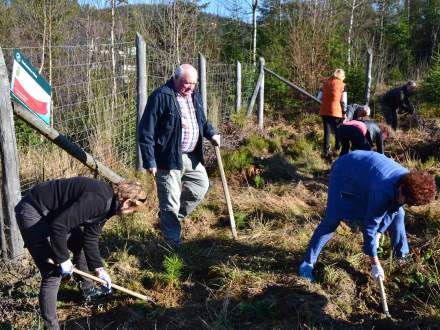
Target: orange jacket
x: 332, y: 90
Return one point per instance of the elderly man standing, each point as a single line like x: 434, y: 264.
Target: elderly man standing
x: 170, y: 138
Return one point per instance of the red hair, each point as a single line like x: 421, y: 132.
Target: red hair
x: 418, y: 187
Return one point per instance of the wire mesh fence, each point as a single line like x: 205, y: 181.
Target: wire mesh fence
x: 94, y: 104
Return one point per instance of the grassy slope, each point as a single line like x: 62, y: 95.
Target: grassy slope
x: 278, y: 185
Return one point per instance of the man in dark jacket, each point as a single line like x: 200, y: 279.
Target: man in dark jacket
x: 170, y: 138
x: 398, y: 98
x: 68, y: 214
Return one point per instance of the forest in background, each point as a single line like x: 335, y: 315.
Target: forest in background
x: 303, y: 41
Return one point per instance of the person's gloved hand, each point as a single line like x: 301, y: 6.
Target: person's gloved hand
x: 66, y: 268
x: 377, y: 271
x: 103, y: 275
x: 215, y: 140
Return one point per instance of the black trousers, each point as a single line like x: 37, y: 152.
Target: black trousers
x: 35, y: 232
x: 390, y: 116
x: 352, y: 138
x: 330, y: 125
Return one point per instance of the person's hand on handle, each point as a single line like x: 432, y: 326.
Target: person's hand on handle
x: 153, y: 171
x: 215, y: 140
x: 103, y: 275
x: 66, y: 268
x: 377, y: 271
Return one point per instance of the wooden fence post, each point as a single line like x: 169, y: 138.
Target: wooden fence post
x: 202, y: 82
x: 141, y: 88
x: 368, y: 76
x: 291, y: 84
x: 10, y: 167
x: 238, y: 87
x: 254, y: 96
x: 261, y: 96
x: 3, y: 242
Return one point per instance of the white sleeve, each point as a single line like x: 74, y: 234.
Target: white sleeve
x: 344, y: 101
x: 319, y: 97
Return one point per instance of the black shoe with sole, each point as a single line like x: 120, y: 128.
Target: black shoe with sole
x: 93, y: 293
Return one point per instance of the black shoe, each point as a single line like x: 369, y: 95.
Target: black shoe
x: 93, y: 293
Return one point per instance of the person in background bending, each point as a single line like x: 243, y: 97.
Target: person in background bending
x: 398, y: 98
x: 333, y: 107
x: 357, y: 133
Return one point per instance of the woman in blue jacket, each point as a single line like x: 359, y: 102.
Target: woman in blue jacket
x: 369, y: 187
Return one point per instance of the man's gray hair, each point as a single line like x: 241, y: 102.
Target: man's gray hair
x: 365, y: 109
x: 179, y: 72
x: 411, y: 83
x: 182, y: 69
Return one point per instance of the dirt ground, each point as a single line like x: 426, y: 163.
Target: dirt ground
x: 215, y: 282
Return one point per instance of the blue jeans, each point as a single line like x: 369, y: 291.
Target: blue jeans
x: 394, y: 223
x: 179, y: 192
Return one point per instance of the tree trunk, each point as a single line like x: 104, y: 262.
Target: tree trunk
x: 350, y: 31
x: 254, y: 31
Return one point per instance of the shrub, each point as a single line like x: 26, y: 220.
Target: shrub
x: 237, y: 160
x: 430, y: 89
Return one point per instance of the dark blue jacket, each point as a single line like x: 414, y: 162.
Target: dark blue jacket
x: 160, y: 129
x: 364, y: 186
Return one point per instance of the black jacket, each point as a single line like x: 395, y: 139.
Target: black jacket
x: 160, y: 129
x: 398, y: 98
x: 68, y: 203
x: 374, y: 135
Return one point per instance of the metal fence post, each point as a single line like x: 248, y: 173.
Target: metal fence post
x: 238, y: 87
x: 10, y: 167
x: 202, y: 82
x: 141, y: 89
x: 261, y: 96
x: 368, y: 75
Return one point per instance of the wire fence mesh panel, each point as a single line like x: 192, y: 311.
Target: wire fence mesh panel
x: 93, y: 106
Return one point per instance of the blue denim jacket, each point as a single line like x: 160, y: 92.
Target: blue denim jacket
x: 364, y: 186
x: 160, y: 129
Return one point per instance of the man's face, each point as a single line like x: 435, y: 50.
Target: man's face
x: 186, y: 83
x: 411, y: 89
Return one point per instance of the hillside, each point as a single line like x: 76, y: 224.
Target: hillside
x: 278, y: 185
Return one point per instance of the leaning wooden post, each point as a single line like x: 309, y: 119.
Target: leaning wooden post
x: 254, y: 95
x: 261, y: 96
x: 238, y: 87
x: 3, y: 243
x: 141, y: 88
x: 10, y: 167
x: 202, y: 83
x: 368, y: 76
x: 65, y: 144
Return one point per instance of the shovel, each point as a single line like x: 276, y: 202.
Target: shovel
x: 226, y: 191
x: 117, y: 287
x: 383, y: 298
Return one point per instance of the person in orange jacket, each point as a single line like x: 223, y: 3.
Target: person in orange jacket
x: 333, y: 107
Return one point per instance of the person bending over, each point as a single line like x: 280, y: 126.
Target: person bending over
x: 368, y: 187
x: 68, y: 214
